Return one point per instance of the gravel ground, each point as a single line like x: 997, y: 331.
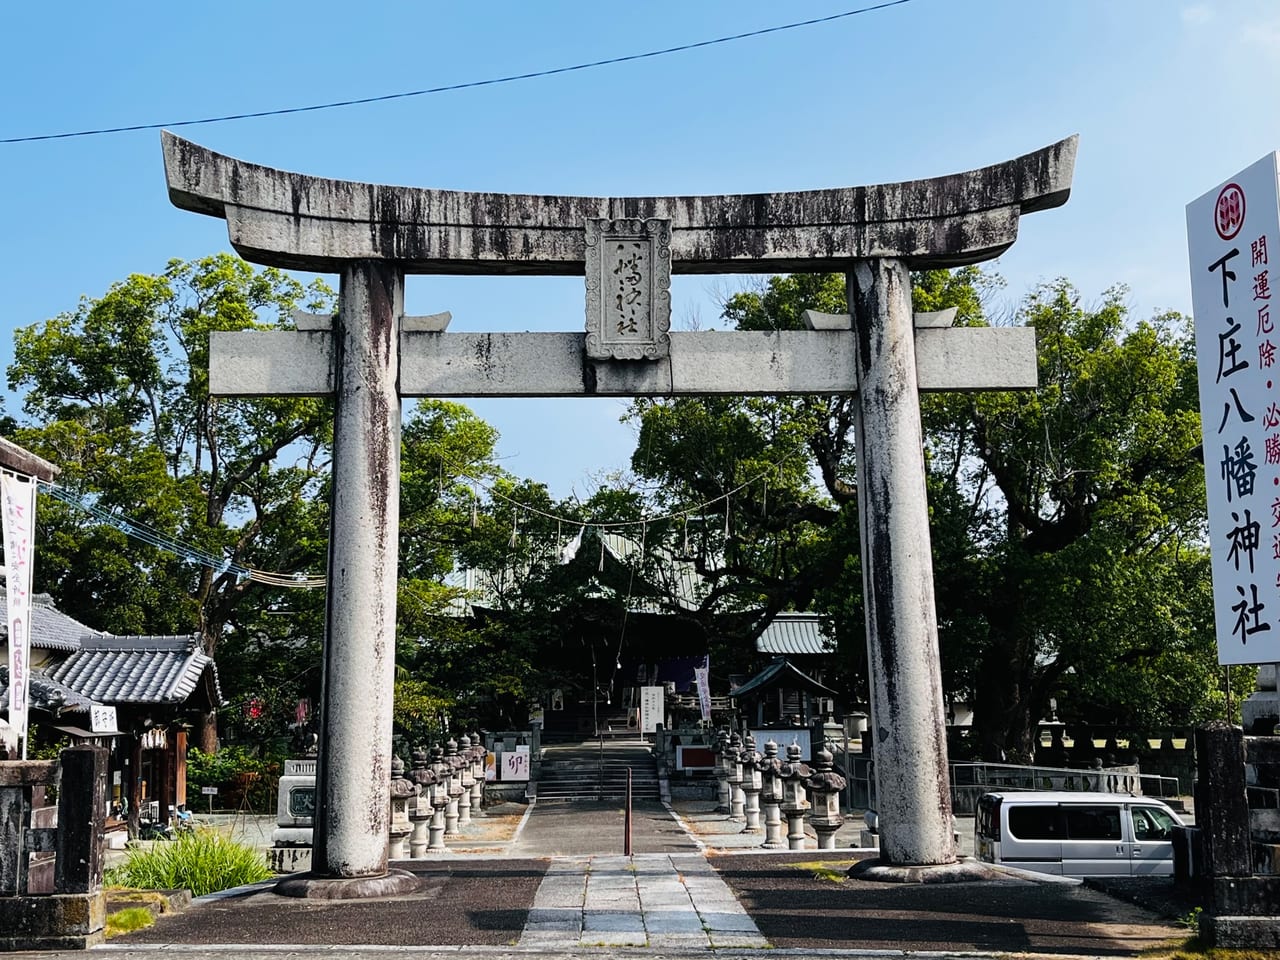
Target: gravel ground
x: 794, y: 909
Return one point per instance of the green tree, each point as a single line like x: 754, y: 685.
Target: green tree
x: 1067, y: 523
x: 1090, y: 560
x: 117, y: 393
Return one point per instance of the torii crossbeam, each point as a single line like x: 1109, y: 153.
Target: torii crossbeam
x: 371, y: 355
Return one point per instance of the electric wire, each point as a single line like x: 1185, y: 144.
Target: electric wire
x: 149, y: 535
x: 465, y: 85
x: 140, y: 531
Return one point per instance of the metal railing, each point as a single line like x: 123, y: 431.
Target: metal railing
x: 970, y: 780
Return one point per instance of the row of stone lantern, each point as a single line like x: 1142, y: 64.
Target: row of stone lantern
x: 442, y: 792
x: 749, y: 780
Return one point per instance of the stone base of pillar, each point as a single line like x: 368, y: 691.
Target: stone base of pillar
x: 795, y: 831
x: 418, y: 839
x: 308, y: 886
x: 751, y: 810
x: 772, y: 827
x: 737, y: 803
x: 722, y: 798
x: 961, y: 871
x: 436, y: 834
x: 826, y: 837
x: 289, y: 859
x: 398, y: 847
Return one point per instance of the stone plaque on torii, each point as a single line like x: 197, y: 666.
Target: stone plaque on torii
x: 370, y: 355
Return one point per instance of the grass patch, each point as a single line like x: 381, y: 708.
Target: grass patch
x: 1193, y: 949
x: 128, y: 920
x: 832, y: 871
x: 202, y: 862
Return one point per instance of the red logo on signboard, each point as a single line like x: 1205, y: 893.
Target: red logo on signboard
x: 1228, y: 212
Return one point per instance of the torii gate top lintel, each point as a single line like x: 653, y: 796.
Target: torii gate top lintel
x: 292, y: 220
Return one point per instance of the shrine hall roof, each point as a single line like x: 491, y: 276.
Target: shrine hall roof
x: 795, y: 634
x: 782, y: 673
x: 113, y: 669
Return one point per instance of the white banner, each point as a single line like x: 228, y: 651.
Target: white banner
x: 18, y: 512
x: 701, y: 675
x: 1230, y: 233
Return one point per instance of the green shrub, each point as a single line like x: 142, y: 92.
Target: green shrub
x: 224, y: 770
x: 202, y: 862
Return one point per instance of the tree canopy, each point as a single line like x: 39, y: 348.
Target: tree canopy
x: 1067, y: 523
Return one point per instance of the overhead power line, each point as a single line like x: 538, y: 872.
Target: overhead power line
x: 149, y: 535
x: 466, y: 85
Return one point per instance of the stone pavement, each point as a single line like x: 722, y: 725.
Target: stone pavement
x: 651, y: 900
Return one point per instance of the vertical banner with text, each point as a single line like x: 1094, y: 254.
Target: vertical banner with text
x: 702, y: 677
x: 1230, y: 233
x: 18, y: 511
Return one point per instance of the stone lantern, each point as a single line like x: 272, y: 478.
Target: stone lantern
x: 771, y: 794
x: 421, y: 813
x: 402, y: 793
x: 439, y: 798
x: 453, y: 770
x: 795, y: 802
x: 478, y: 753
x: 825, y: 786
x: 737, y: 799
x: 751, y: 783
x: 466, y: 779
x: 722, y: 770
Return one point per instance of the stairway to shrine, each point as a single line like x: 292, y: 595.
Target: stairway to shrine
x: 597, y: 770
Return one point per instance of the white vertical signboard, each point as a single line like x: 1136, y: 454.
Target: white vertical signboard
x: 652, y: 707
x: 18, y: 511
x: 1231, y: 233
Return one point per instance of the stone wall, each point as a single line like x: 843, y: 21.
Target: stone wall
x: 1231, y: 857
x: 74, y: 914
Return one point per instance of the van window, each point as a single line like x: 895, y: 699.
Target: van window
x: 988, y: 818
x: 1093, y: 823
x: 1152, y: 823
x: 1035, y: 822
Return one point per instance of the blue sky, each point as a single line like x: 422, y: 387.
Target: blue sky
x: 1169, y: 99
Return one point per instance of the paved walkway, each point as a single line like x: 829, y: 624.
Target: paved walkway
x: 586, y: 829
x: 553, y: 882
x: 673, y: 902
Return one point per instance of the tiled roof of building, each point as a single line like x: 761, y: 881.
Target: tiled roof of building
x: 137, y: 669
x: 51, y: 629
x: 47, y: 694
x: 795, y: 634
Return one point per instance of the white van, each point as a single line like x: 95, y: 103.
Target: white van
x: 1076, y: 834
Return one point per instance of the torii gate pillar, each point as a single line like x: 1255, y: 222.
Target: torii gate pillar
x: 360, y: 615
x: 907, y: 714
x: 371, y: 355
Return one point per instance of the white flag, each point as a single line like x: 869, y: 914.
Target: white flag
x: 18, y: 512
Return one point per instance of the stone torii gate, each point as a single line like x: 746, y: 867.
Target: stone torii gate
x: 370, y: 355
